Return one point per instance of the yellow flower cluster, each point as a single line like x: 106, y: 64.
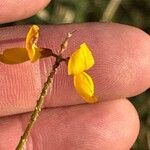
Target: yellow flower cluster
x: 80, y: 61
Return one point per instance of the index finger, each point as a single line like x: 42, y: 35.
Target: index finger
x: 122, y: 66
x: 19, y: 9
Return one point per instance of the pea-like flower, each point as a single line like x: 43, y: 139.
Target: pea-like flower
x: 30, y: 52
x: 80, y: 61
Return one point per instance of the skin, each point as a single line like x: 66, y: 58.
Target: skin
x: 19, y: 9
x: 122, y: 69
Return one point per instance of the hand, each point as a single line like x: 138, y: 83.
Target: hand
x: 122, y: 69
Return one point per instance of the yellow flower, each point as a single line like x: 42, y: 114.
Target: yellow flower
x: 19, y: 55
x: 80, y: 61
x: 31, y: 40
x: 85, y: 87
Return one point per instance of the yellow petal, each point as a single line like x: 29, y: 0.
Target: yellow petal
x: 80, y: 60
x: 14, y: 56
x: 85, y: 87
x: 31, y: 40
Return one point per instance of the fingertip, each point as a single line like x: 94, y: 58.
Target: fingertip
x: 25, y: 9
x: 122, y: 65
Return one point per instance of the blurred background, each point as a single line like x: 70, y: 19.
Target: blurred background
x: 131, y: 12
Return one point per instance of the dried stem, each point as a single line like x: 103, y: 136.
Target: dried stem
x: 39, y: 104
x: 47, y: 85
x: 64, y: 44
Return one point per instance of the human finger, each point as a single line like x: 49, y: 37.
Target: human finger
x: 106, y: 125
x: 122, y: 66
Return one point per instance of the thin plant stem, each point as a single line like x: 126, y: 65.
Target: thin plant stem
x: 39, y: 104
x: 47, y: 86
x: 110, y: 10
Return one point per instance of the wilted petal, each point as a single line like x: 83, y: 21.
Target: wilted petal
x: 85, y: 87
x: 31, y: 41
x: 14, y: 56
x: 80, y: 60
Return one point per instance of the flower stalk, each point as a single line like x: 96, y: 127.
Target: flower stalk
x: 40, y: 101
x: 47, y: 86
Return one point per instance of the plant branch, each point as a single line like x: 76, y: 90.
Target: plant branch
x: 40, y: 102
x: 45, y: 53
